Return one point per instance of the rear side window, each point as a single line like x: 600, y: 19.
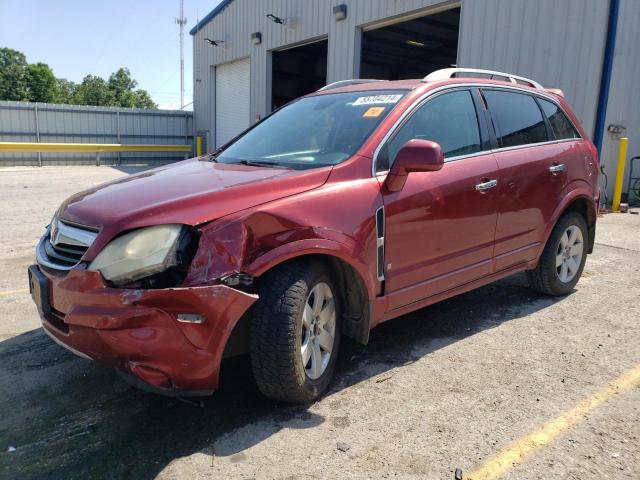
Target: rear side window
x: 560, y: 124
x: 448, y: 119
x: 516, y: 117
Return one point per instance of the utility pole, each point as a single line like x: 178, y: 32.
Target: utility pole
x: 181, y: 21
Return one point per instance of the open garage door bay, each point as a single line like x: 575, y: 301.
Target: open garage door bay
x: 412, y: 48
x: 232, y: 99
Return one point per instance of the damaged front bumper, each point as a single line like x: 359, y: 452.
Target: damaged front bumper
x: 168, y: 340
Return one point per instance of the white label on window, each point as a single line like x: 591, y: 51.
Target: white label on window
x: 377, y: 99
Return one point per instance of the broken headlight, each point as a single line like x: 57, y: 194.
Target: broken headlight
x: 151, y: 257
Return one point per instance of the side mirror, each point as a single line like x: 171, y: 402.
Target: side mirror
x: 415, y: 156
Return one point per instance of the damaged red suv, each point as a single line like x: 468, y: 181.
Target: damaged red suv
x: 346, y: 208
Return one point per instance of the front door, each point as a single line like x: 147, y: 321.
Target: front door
x: 440, y: 227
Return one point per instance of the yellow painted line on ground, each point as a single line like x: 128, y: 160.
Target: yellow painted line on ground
x: 517, y: 452
x: 14, y: 292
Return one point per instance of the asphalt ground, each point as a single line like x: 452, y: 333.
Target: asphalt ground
x: 500, y: 382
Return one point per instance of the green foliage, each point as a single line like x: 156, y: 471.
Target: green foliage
x: 13, y: 75
x: 94, y: 91
x: 66, y: 90
x: 121, y: 83
x: 36, y: 82
x: 42, y: 85
x: 144, y: 99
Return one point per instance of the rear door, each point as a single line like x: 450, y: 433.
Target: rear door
x: 440, y: 227
x: 531, y: 174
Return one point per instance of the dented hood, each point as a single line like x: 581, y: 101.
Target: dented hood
x: 189, y: 192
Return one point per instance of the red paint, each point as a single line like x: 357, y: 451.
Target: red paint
x: 415, y: 156
x: 129, y: 328
x: 442, y: 237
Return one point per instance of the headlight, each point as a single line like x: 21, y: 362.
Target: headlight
x: 139, y: 254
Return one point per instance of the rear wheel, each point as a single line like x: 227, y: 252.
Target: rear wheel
x: 563, y: 258
x: 295, y: 332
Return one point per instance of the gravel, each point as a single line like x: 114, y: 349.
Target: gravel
x: 440, y: 389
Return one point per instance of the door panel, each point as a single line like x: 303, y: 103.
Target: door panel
x: 440, y: 230
x: 532, y: 186
x: 528, y: 195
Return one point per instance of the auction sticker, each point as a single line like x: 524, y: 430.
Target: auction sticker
x: 377, y: 99
x: 373, y: 112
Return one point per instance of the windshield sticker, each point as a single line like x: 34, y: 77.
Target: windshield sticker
x: 373, y: 99
x: 373, y: 112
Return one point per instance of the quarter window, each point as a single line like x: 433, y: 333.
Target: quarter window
x: 560, y: 124
x: 448, y: 119
x: 516, y: 117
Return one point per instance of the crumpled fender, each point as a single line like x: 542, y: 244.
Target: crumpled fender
x: 262, y: 240
x: 309, y: 247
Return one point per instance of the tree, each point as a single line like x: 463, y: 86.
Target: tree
x: 94, y: 91
x: 122, y: 86
x: 13, y: 75
x: 143, y: 99
x: 121, y: 83
x: 42, y: 85
x: 36, y: 82
x: 66, y: 90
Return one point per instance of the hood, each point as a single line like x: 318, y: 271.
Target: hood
x: 189, y: 192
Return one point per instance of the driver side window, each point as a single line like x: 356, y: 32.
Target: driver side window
x: 448, y: 119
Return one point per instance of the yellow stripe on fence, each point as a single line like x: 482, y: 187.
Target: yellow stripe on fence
x: 89, y: 147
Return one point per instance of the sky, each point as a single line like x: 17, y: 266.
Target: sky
x: 80, y: 37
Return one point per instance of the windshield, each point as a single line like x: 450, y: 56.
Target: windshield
x: 313, y: 131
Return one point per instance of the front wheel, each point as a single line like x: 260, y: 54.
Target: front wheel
x: 563, y: 257
x: 295, y: 332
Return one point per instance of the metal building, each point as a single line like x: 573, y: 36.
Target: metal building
x: 251, y: 56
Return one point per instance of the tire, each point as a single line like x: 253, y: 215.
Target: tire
x: 284, y: 322
x: 556, y: 273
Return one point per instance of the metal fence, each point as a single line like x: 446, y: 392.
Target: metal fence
x: 46, y: 122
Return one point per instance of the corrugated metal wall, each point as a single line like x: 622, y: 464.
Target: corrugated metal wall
x: 624, y: 97
x: 305, y: 20
x: 86, y: 124
x: 559, y: 43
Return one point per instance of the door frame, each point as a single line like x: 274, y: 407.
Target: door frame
x: 269, y: 65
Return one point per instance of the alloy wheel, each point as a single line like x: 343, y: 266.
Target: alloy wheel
x: 318, y: 330
x: 569, y: 254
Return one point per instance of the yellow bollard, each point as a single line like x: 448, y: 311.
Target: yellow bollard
x: 617, y: 188
x: 198, y: 146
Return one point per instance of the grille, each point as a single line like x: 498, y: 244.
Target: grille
x: 63, y: 245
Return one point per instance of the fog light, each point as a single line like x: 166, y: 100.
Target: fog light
x: 190, y: 318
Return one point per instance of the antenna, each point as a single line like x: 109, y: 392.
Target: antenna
x: 181, y: 21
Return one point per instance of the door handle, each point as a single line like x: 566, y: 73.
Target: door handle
x: 556, y: 168
x: 484, y: 186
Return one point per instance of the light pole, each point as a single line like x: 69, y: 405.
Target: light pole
x: 181, y: 21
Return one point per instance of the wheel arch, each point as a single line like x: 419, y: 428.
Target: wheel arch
x: 356, y: 293
x: 579, y: 201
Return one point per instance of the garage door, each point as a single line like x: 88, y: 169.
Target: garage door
x: 232, y: 100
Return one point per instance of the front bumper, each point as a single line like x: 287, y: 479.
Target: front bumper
x: 138, y: 332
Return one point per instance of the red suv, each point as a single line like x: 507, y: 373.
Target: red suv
x: 346, y: 208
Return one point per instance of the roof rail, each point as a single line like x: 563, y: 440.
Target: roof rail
x: 447, y: 73
x: 346, y: 83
